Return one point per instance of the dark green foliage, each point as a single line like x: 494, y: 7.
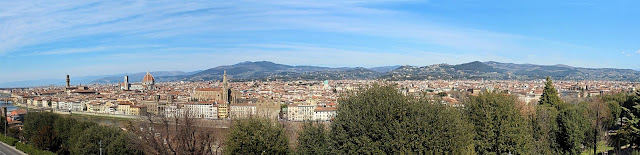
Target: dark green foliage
x: 121, y: 145
x: 561, y: 128
x: 313, y: 139
x: 65, y: 135
x: 571, y: 131
x: 64, y: 127
x: 256, y: 136
x: 3, y: 121
x: 38, y: 130
x: 544, y: 129
x: 88, y: 141
x: 380, y: 120
x: 499, y: 126
x: 14, y: 132
x: 550, y: 94
x: 629, y: 133
x: 616, y: 112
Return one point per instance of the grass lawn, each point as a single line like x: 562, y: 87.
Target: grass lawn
x: 602, y: 147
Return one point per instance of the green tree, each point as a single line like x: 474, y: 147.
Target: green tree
x: 616, y: 111
x: 499, y: 126
x: 122, y: 145
x: 256, y: 136
x: 544, y: 128
x: 550, y: 94
x: 111, y: 138
x: 596, y: 115
x: 571, y: 131
x: 380, y: 120
x: 38, y: 130
x: 312, y: 139
x: 63, y: 129
x: 3, y: 121
x: 629, y: 133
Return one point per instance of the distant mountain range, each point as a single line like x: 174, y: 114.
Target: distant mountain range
x: 509, y: 71
x: 265, y: 70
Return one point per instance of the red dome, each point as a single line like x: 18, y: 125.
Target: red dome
x: 148, y: 78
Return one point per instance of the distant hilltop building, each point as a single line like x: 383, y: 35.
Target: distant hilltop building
x: 148, y: 83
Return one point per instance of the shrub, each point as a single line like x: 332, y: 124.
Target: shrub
x: 8, y: 140
x: 30, y: 149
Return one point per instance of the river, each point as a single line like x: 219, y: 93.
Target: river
x: 10, y: 106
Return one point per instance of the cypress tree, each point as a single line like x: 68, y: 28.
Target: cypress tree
x: 550, y: 94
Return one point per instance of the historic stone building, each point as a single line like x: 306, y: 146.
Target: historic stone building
x: 148, y: 83
x: 224, y: 96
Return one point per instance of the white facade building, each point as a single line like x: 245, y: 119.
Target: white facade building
x: 298, y: 112
x: 206, y: 110
x: 324, y: 113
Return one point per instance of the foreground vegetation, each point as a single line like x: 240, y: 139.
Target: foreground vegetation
x: 374, y: 120
x: 64, y: 135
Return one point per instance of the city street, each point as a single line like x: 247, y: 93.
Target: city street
x: 8, y: 150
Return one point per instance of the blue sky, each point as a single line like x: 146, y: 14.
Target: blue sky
x: 47, y: 39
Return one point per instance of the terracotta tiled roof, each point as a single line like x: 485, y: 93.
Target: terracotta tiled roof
x: 209, y: 89
x: 325, y: 109
x: 148, y: 78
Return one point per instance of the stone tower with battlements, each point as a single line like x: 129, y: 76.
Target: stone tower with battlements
x: 68, y: 80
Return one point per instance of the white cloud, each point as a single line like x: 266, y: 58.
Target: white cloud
x: 29, y: 23
x: 88, y: 50
x: 113, y: 26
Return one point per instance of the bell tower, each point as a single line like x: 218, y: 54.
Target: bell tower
x: 68, y: 80
x: 225, y: 87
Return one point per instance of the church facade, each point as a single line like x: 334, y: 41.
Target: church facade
x: 148, y: 83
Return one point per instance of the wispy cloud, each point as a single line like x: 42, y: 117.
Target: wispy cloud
x: 88, y: 50
x: 28, y: 24
x: 180, y: 35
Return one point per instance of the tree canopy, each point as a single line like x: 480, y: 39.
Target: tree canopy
x: 380, y: 120
x: 256, y: 135
x: 550, y: 94
x: 313, y: 139
x: 499, y: 126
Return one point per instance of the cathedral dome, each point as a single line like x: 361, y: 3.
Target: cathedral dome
x: 148, y: 79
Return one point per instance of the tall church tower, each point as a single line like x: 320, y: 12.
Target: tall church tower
x: 225, y: 87
x: 125, y: 84
x: 68, y: 80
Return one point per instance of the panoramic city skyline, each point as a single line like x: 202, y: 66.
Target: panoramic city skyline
x: 49, y: 40
x: 309, y: 77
